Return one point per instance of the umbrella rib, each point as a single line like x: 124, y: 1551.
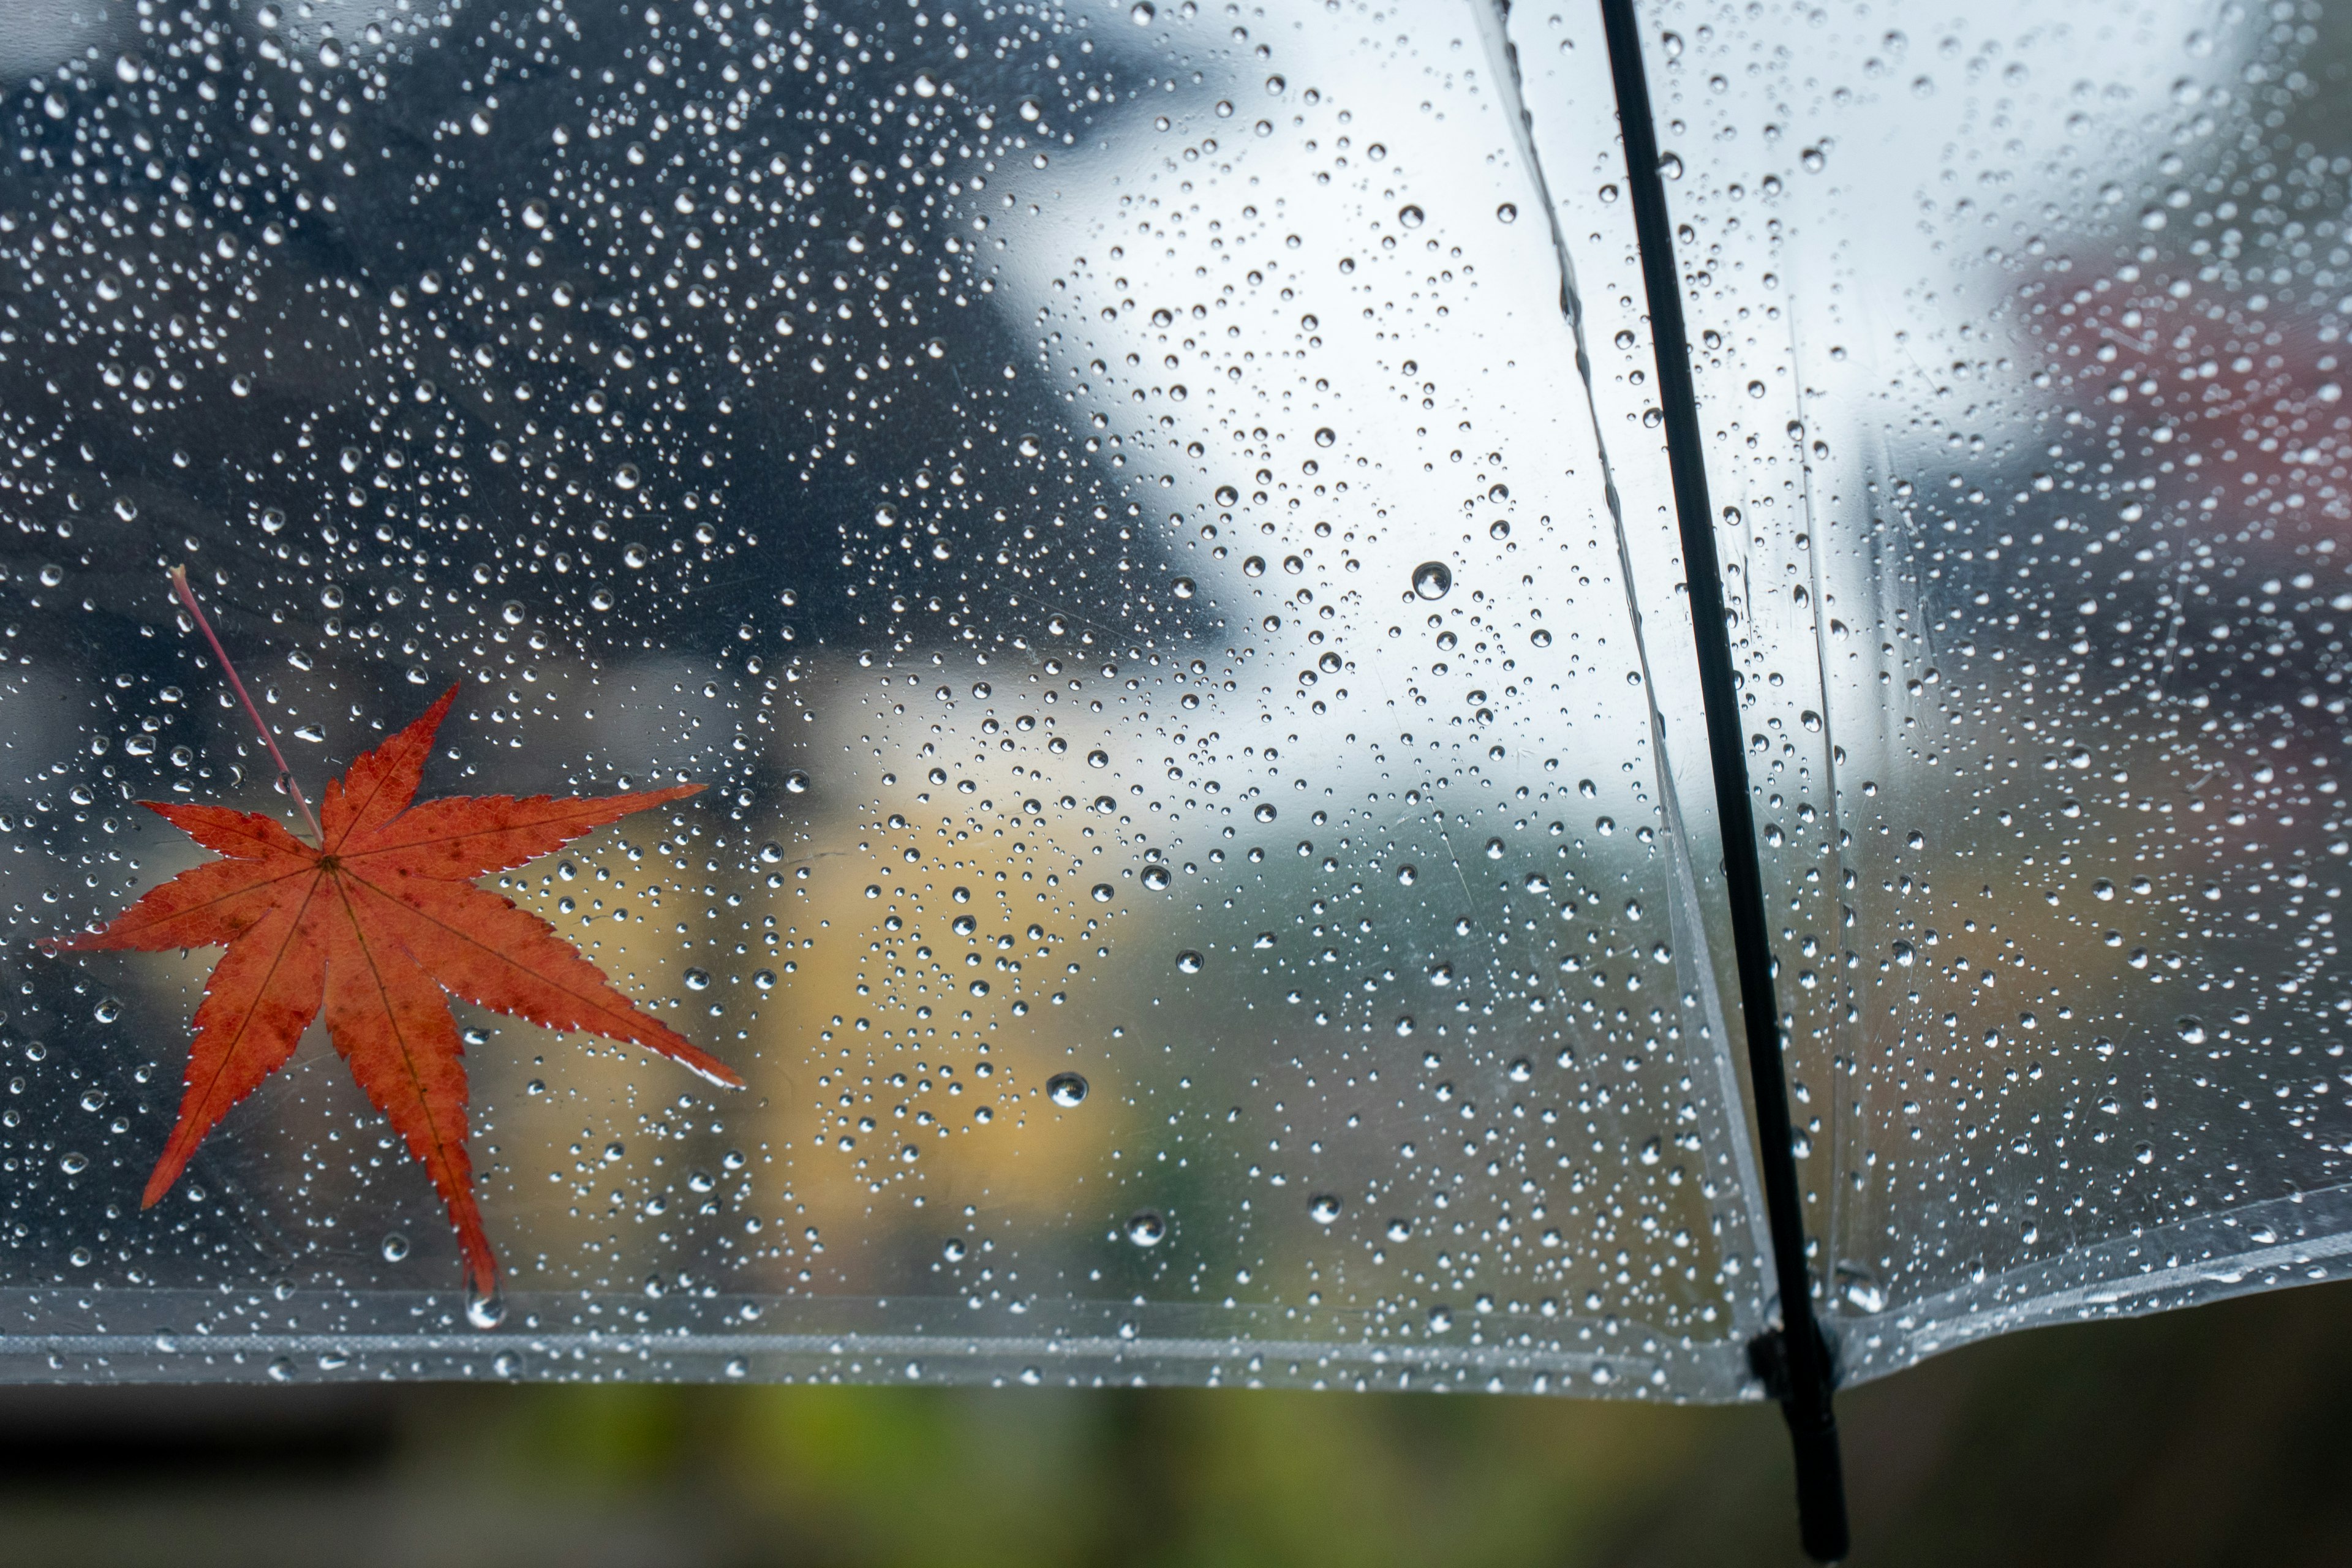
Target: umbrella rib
x: 1795, y: 1362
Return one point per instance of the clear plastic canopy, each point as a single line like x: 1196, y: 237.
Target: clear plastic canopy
x: 1151, y: 524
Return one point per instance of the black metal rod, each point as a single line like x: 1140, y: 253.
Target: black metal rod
x: 1808, y: 1376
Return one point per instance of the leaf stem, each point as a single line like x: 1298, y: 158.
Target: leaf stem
x: 285, y: 775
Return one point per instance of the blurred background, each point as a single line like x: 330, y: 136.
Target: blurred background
x: 2206, y: 1437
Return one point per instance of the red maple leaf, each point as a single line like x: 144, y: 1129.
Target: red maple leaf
x: 375, y: 925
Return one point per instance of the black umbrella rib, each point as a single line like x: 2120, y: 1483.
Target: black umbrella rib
x: 1795, y: 1360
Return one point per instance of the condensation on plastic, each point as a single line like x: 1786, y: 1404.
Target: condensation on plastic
x: 2022, y: 366
x: 1206, y: 868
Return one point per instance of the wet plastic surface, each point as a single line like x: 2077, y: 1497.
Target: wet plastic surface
x: 1111, y: 512
x: 1207, y: 868
x: 2028, y: 383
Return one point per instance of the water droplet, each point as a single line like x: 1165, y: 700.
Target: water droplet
x: 1098, y: 758
x: 1189, y: 962
x: 1265, y: 811
x: 1146, y: 1228
x: 698, y: 980
x: 512, y: 612
x: 73, y: 1164
x: 796, y: 781
x: 1397, y: 1230
x: 1156, y: 877
x: 485, y: 1312
x: 1183, y: 587
x: 1067, y: 1088
x: 1102, y: 892
x: 1440, y: 975
x: 954, y: 1249
x: 2191, y: 1030
x: 1494, y: 850
x: 625, y: 477
x: 1407, y: 876
x: 1410, y: 215
x: 1507, y: 213
x: 396, y: 1247
x: 1141, y: 12
x: 1433, y: 579
x: 107, y: 1010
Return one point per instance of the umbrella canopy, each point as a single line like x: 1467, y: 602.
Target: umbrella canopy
x: 1321, y: 681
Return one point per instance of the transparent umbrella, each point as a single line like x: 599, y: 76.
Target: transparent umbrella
x: 1331, y: 649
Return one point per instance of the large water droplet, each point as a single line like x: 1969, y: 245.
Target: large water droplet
x: 1146, y: 1228
x: 1433, y: 579
x: 1067, y: 1088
